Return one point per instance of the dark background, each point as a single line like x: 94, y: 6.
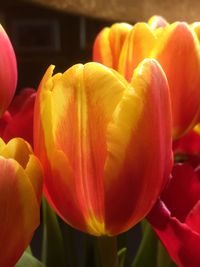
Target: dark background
x: 41, y: 36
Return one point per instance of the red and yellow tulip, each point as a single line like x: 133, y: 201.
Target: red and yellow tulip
x: 175, y: 218
x: 105, y: 144
x: 176, y: 47
x: 8, y: 71
x: 109, y: 42
x: 20, y: 194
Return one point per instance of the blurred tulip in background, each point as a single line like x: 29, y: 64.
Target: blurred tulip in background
x: 175, y: 46
x: 8, y: 71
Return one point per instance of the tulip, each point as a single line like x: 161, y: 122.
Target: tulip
x: 156, y: 22
x: 17, y: 121
x: 109, y: 42
x: 176, y: 47
x: 175, y: 218
x: 178, y: 52
x: 105, y: 144
x: 20, y: 195
x: 138, y: 45
x: 8, y: 71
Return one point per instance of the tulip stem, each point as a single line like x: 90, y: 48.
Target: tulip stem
x: 108, y: 251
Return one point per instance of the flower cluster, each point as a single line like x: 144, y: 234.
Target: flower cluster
x: 175, y: 217
x: 114, y: 141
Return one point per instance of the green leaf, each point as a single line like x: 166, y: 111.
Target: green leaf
x: 53, y: 254
x: 172, y: 264
x: 163, y: 258
x: 146, y: 255
x: 29, y: 251
x: 27, y: 260
x: 121, y: 256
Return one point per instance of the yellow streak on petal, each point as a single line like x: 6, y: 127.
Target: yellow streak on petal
x: 108, y: 44
x: 35, y: 174
x: 52, y: 105
x: 95, y: 227
x: 59, y: 100
x: 197, y: 128
x: 196, y: 28
x: 2, y: 144
x: 157, y: 22
x: 102, y: 50
x: 47, y: 76
x: 137, y: 46
x: 117, y: 36
x: 119, y: 132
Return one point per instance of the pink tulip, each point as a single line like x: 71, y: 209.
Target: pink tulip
x: 8, y: 71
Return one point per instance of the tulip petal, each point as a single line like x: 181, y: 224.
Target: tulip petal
x: 101, y: 49
x: 184, y: 185
x: 34, y: 173
x: 8, y: 73
x: 179, y: 42
x: 17, y: 200
x: 144, y: 109
x: 193, y: 218
x: 108, y: 44
x: 196, y: 27
x: 137, y: 46
x: 157, y: 22
x: 17, y: 149
x: 180, y: 241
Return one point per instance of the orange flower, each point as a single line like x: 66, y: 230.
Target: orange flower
x: 20, y: 194
x: 109, y: 42
x: 178, y: 52
x: 8, y: 71
x: 176, y: 47
x: 105, y: 144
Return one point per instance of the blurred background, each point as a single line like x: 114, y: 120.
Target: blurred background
x: 42, y: 36
x: 61, y: 32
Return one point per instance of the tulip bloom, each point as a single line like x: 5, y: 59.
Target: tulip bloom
x: 93, y: 132
x: 109, y: 42
x: 20, y: 194
x: 156, y: 22
x: 17, y: 121
x: 176, y: 47
x: 175, y: 218
x: 8, y: 71
x: 180, y: 59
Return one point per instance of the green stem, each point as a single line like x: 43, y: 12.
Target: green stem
x: 108, y: 251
